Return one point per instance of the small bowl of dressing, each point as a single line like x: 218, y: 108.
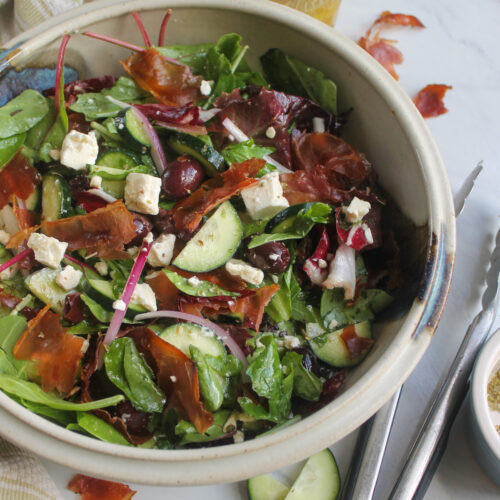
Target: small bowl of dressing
x: 484, y: 408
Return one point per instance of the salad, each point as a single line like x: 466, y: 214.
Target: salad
x: 190, y: 254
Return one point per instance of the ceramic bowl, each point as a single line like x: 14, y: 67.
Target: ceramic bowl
x: 483, y: 436
x: 384, y: 125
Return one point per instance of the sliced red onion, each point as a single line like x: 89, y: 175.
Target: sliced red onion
x: 343, y: 271
x: 77, y: 262
x: 15, y: 259
x: 59, y: 75
x: 208, y: 114
x: 222, y: 335
x: 161, y: 37
x: 240, y: 136
x: 133, y: 278
x: 101, y: 194
x: 317, y: 274
x: 114, y: 41
x: 142, y: 29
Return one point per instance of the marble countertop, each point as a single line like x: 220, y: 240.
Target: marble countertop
x: 459, y: 48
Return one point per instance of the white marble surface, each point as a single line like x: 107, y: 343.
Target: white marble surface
x: 458, y: 47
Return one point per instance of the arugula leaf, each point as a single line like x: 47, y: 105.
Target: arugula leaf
x: 199, y: 288
x: 306, y: 385
x: 304, y: 221
x: 241, y: 151
x: 280, y: 306
x: 280, y: 405
x: 188, y: 433
x: 101, y: 429
x: 127, y: 369
x: 9, y: 147
x: 22, y: 113
x: 33, y: 392
x: 292, y: 76
x: 265, y: 370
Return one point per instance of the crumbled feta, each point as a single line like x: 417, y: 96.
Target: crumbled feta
x: 96, y: 181
x: 275, y: 278
x: 102, y: 268
x: 144, y: 296
x: 69, y: 278
x: 48, y: 251
x: 274, y: 256
x: 194, y: 281
x: 322, y: 264
x: 245, y: 271
x: 149, y: 238
x: 55, y: 154
x: 333, y: 323
x: 356, y: 210
x: 238, y: 437
x: 368, y: 233
x: 133, y: 251
x: 265, y: 199
x: 8, y: 273
x: 205, y: 88
x: 270, y: 132
x: 142, y: 192
x: 291, y: 342
x: 119, y: 305
x: 162, y: 250
x: 4, y: 237
x: 79, y: 150
x: 173, y: 378
x: 318, y: 124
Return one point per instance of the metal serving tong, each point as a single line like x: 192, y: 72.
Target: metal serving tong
x: 431, y: 441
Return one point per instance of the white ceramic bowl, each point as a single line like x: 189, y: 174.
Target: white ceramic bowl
x: 484, y: 438
x: 384, y: 125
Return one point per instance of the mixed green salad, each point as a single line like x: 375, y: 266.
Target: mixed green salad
x: 190, y: 254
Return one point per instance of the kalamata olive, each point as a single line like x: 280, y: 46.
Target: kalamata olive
x: 163, y: 222
x: 142, y: 227
x: 79, y: 183
x: 181, y: 177
x: 272, y: 257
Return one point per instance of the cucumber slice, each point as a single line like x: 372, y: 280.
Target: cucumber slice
x: 214, y: 244
x: 57, y: 199
x: 102, y: 292
x: 118, y: 159
x: 330, y: 347
x: 318, y: 480
x: 132, y: 130
x: 265, y: 487
x: 114, y: 188
x: 43, y: 285
x: 33, y: 200
x: 185, y: 144
x: 285, y: 219
x: 182, y: 335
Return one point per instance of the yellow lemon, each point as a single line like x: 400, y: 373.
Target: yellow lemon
x: 324, y: 10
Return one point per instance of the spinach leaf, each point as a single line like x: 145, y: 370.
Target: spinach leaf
x: 292, y: 76
x: 36, y: 134
x: 22, y: 113
x: 127, y: 369
x: 11, y: 329
x: 63, y: 417
x: 102, y: 315
x: 305, y: 384
x: 33, y: 392
x: 280, y: 405
x: 254, y: 226
x: 9, y: 147
x: 193, y: 56
x: 188, y: 433
x: 239, y: 152
x: 101, y: 429
x: 197, y: 288
x: 211, y: 383
x: 86, y: 328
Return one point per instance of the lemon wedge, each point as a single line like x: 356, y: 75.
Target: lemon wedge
x: 323, y: 10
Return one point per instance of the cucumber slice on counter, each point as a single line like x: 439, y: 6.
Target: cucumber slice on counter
x: 56, y: 198
x: 132, y: 130
x: 185, y: 144
x: 182, y: 335
x: 330, y: 347
x: 318, y: 480
x: 43, y: 285
x: 265, y: 487
x: 214, y: 244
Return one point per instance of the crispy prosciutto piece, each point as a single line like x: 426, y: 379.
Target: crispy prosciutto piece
x: 180, y: 115
x: 381, y: 49
x: 56, y: 352
x: 17, y: 178
x: 104, y: 230
x: 355, y: 344
x: 169, y: 362
x: 429, y: 100
x: 91, y: 488
x: 172, y: 84
x: 187, y: 214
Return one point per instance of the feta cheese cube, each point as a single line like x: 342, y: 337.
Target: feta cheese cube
x: 4, y: 237
x: 69, y: 278
x: 356, y: 210
x: 265, y: 199
x: 245, y: 271
x: 144, y: 296
x: 142, y: 192
x: 48, y: 251
x: 9, y: 273
x: 79, y: 150
x: 162, y: 251
x: 96, y: 181
x: 102, y: 268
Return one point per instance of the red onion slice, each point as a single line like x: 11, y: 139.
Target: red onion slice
x: 133, y: 278
x: 240, y: 136
x: 101, y: 194
x: 83, y: 265
x: 15, y: 259
x: 222, y: 335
